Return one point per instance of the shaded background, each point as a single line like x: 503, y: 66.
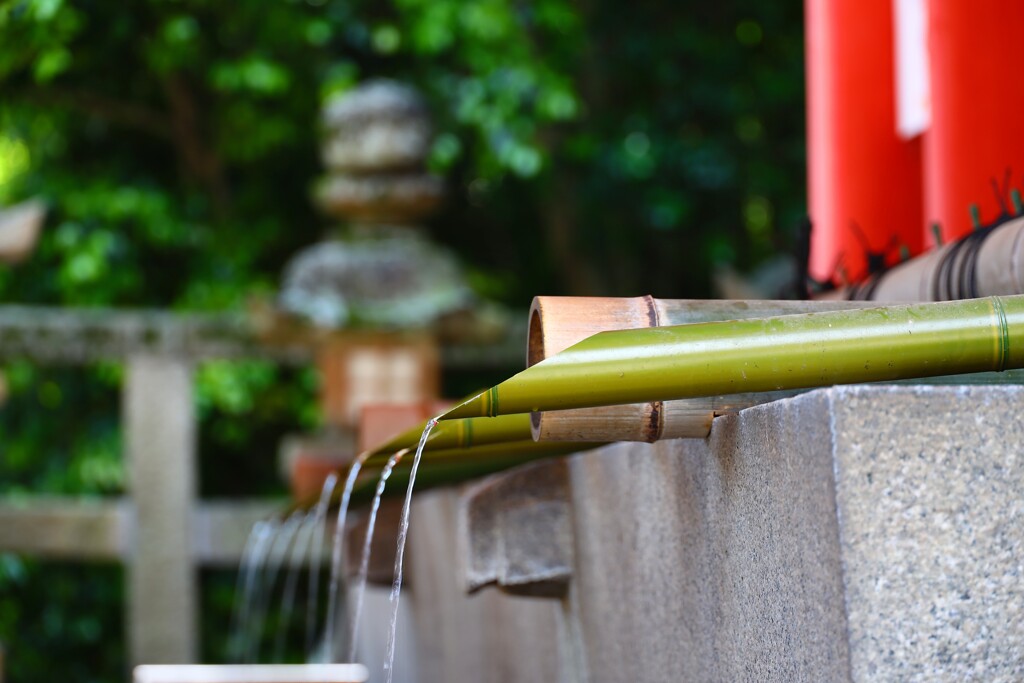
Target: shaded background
x: 590, y: 147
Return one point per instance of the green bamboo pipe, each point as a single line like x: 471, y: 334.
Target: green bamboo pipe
x: 492, y: 457
x: 442, y: 468
x: 464, y: 433
x: 558, y: 322
x: 433, y: 476
x: 786, y: 352
x: 494, y: 450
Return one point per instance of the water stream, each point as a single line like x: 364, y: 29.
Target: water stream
x: 403, y: 532
x: 273, y: 543
x: 319, y: 529
x: 364, y: 563
x: 248, y: 571
x: 335, y: 586
x: 277, y: 551
x: 241, y: 582
x: 300, y: 548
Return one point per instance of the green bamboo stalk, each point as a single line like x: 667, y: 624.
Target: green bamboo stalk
x: 460, y: 464
x: 558, y: 322
x: 497, y: 450
x: 443, y: 468
x: 465, y: 436
x: 786, y: 352
x: 464, y: 433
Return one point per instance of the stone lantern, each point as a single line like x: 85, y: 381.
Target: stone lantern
x: 377, y: 285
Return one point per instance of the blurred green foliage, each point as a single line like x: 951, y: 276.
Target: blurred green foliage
x: 592, y: 147
x: 68, y: 619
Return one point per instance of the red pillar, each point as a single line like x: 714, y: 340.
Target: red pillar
x: 977, y: 129
x: 859, y: 171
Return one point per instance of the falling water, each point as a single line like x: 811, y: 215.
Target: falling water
x: 252, y: 558
x: 403, y: 531
x: 244, y: 568
x: 276, y: 554
x: 364, y: 563
x: 299, y: 550
x: 334, y: 586
x: 314, y: 565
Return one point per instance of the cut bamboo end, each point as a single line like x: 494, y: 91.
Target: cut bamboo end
x: 556, y: 323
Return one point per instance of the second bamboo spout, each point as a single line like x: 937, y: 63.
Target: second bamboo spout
x: 785, y: 352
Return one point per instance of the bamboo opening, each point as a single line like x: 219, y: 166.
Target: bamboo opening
x: 535, y: 336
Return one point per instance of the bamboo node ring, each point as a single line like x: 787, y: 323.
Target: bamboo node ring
x: 1004, y: 332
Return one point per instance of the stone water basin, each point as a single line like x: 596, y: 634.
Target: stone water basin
x: 250, y: 673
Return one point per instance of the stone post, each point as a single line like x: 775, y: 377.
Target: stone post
x: 160, y: 450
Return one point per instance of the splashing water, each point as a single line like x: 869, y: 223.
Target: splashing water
x: 364, y: 563
x: 299, y: 550
x: 333, y: 598
x: 319, y: 528
x: 252, y: 559
x: 403, y: 531
x: 277, y: 551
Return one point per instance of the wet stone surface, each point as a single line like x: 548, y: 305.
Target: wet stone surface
x: 871, y: 533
